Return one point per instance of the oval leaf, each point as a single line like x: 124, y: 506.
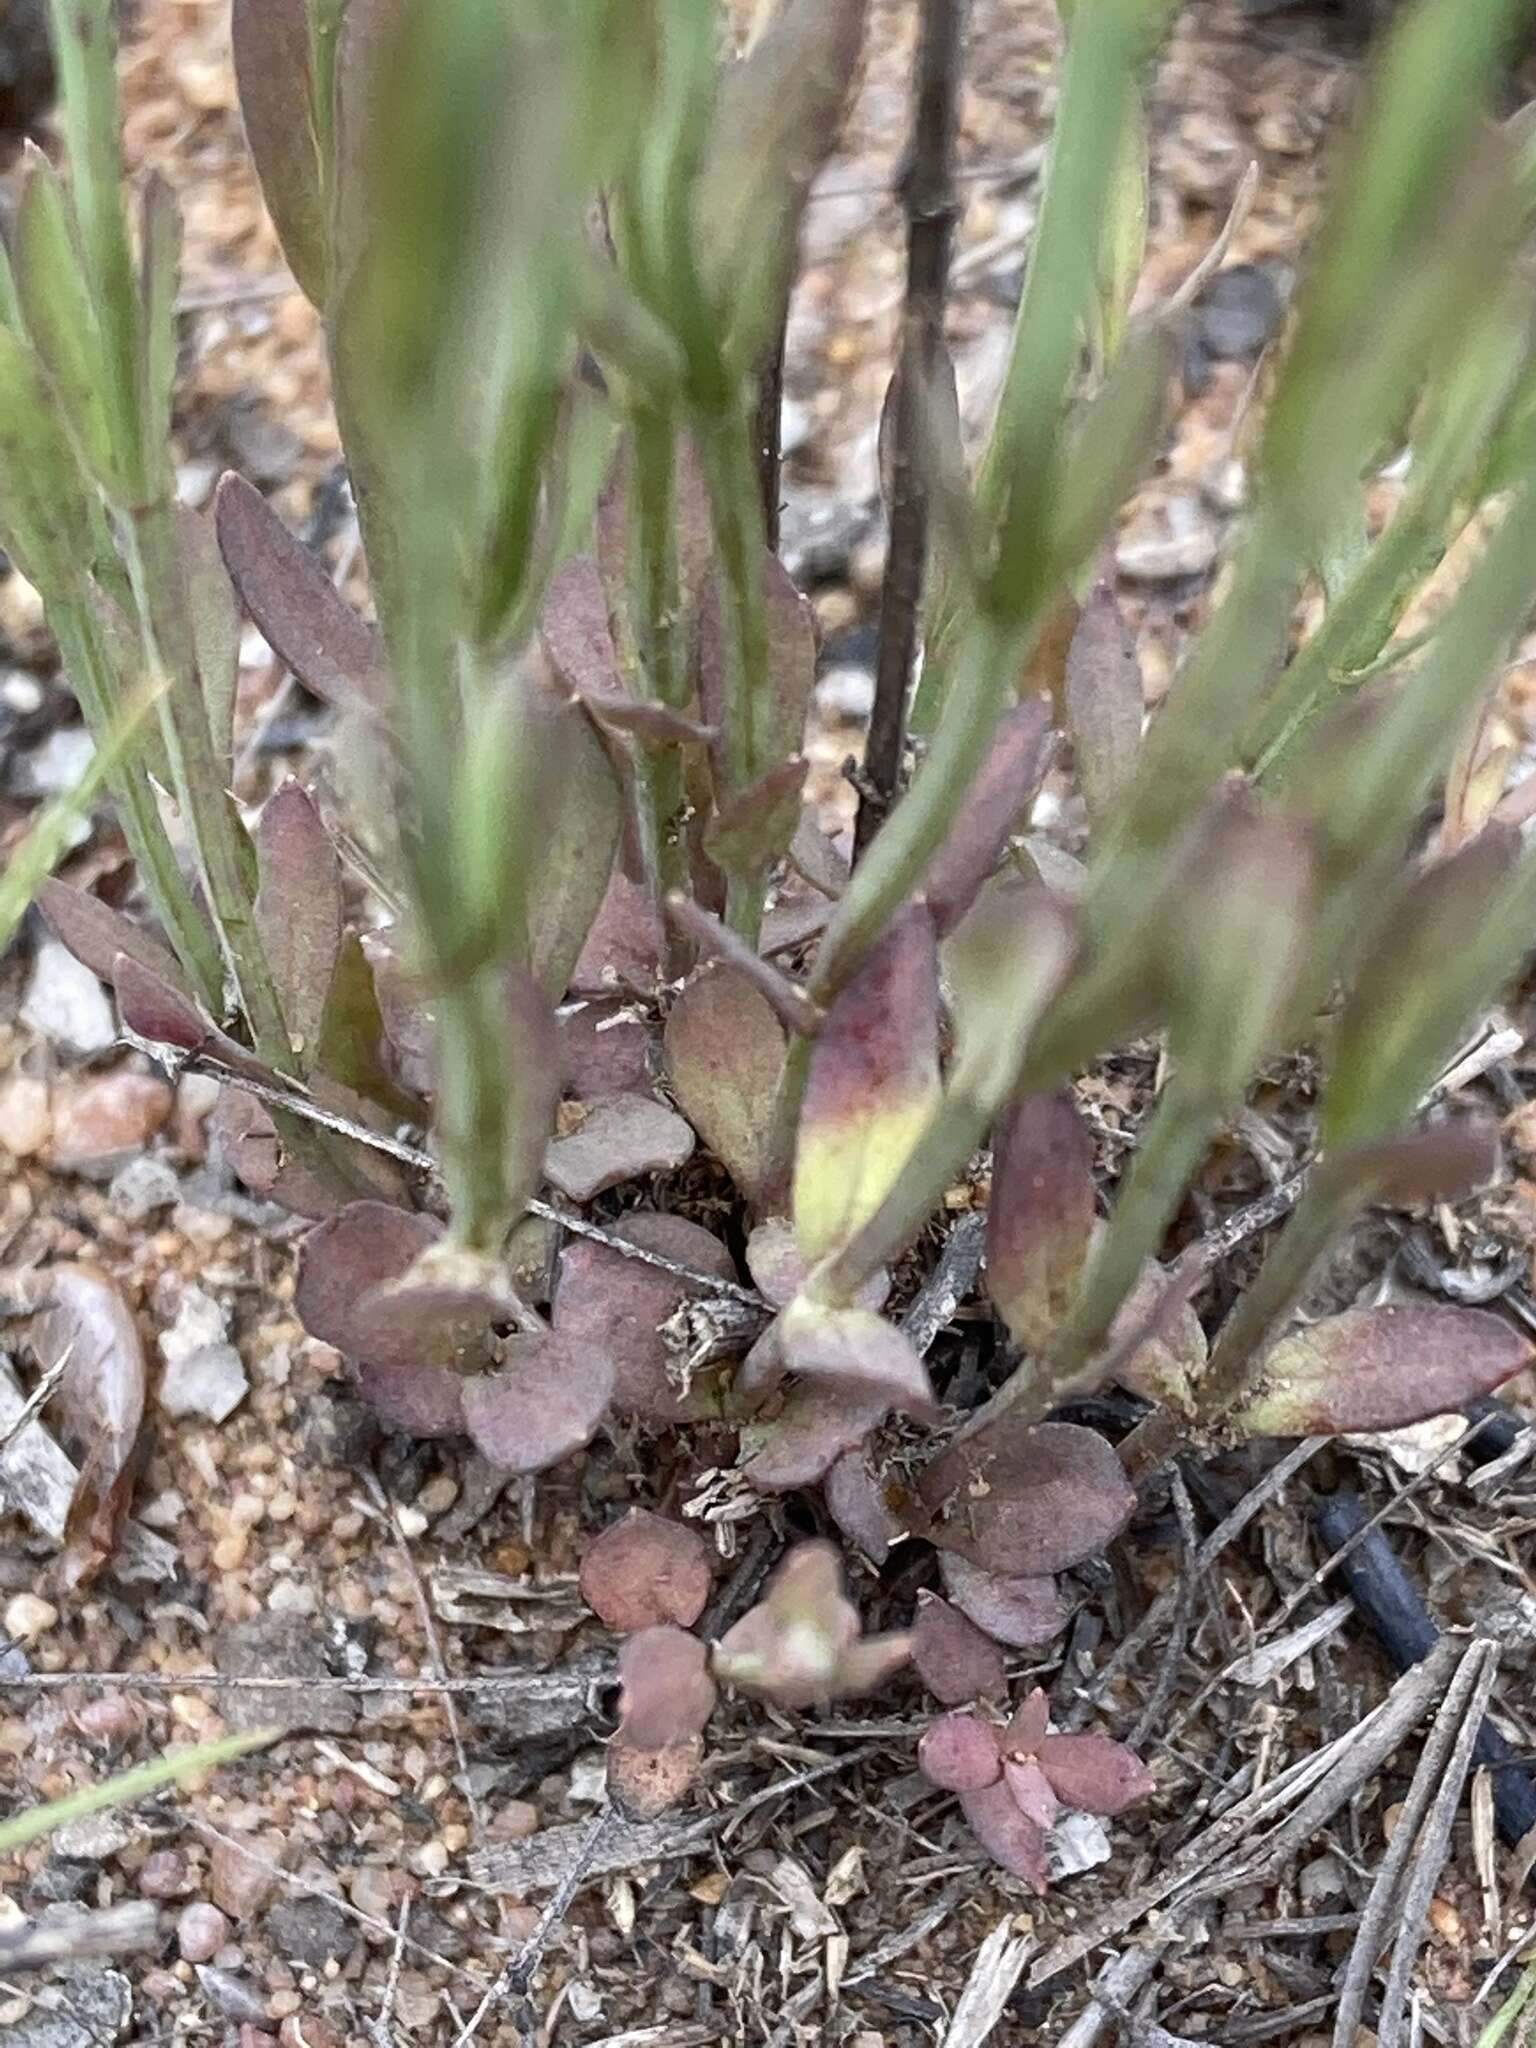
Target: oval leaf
x: 954, y: 1659
x: 1381, y: 1368
x: 1091, y: 1774
x: 603, y: 1300
x: 350, y: 1253
x: 1040, y: 1218
x: 808, y: 1436
x: 1009, y: 1837
x: 1022, y: 1612
x: 994, y: 808
x: 857, y: 1352
x: 724, y: 1050
x: 667, y: 1694
x: 416, y: 1400
x: 856, y: 1502
x: 644, y: 1571
x: 1105, y: 703
x: 547, y: 1400
x: 1026, y: 1500
x: 298, y: 910
x: 960, y: 1753
x: 619, y: 1138
x: 872, y: 1087
x: 270, y: 39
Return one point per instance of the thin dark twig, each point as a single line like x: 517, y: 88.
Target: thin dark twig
x: 766, y: 430
x: 1187, y: 1583
x: 928, y: 192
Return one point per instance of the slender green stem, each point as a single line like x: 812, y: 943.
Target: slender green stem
x: 984, y: 672
x: 150, y: 542
x: 1320, y: 1217
x: 660, y: 671
x: 90, y: 674
x: 471, y: 1107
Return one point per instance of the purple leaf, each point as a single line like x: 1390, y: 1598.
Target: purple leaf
x: 271, y: 46
x: 348, y: 1255
x: 1009, y: 1837
x: 439, y: 1311
x: 547, y: 1400
x: 645, y: 1570
x: 607, y: 1049
x: 1040, y: 1219
x: 1105, y: 703
x: 1022, y: 1612
x: 162, y: 1013
x: 954, y: 1659
x: 625, y: 946
x: 854, y: 1351
x: 814, y: 857
x: 1091, y: 1774
x: 1381, y: 1368
x: 856, y: 1502
x: 808, y: 1436
x: 296, y: 607
x: 725, y: 1053
x: 571, y: 864
x: 779, y: 1272
x: 1436, y: 1164
x: 791, y: 671
x: 872, y: 1088
x: 960, y: 1753
x: 405, y: 1015
x: 667, y: 1693
x: 531, y: 1092
x: 415, y: 1400
x: 578, y: 641
x: 353, y: 1044
x: 97, y: 934
x: 298, y: 910
x: 1029, y: 1726
x: 248, y: 1139
x: 604, y: 1300
x: 994, y: 807
x: 1032, y: 1793
x: 1025, y: 1500
x: 619, y: 1138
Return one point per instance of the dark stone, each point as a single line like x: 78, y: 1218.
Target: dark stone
x: 280, y: 1646
x: 61, y: 1882
x: 338, y: 1430
x: 313, y: 1931
x: 88, y: 2006
x: 1238, y: 311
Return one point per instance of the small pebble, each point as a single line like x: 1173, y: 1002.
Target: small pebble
x: 141, y: 1188
x: 101, y: 1122
x: 25, y: 1121
x: 164, y: 1876
x: 303, y: 2030
x: 210, y: 1383
x: 236, y: 1997
x: 201, y: 1932
x: 27, y: 1617
x: 94, y: 1838
x: 438, y: 1495
x: 515, y: 1821
x: 66, y: 1003
x: 108, y: 1719
x: 240, y: 1885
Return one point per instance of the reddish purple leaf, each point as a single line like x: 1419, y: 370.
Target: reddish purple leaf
x: 1091, y: 1774
x: 298, y: 910
x: 407, y: 1018
x: 97, y: 934
x: 1009, y: 1837
x: 161, y: 1013
x: 213, y: 606
x: 296, y: 607
x: 578, y: 640
x: 1436, y: 1164
x: 993, y: 810
x: 625, y: 946
x: 348, y: 1255
x: 271, y: 46
x: 607, y: 1049
x: 779, y: 1272
x: 415, y: 1400
x: 571, y: 863
x: 725, y: 1053
x: 872, y: 1088
x: 1030, y: 1725
x: 667, y: 1693
x: 856, y: 1501
x: 1022, y: 1612
x: 620, y: 1138
x: 1040, y: 1220
x: 645, y: 1570
x: 1381, y: 1368
x: 603, y: 1300
x: 854, y: 1351
x: 954, y: 1659
x: 808, y: 1436
x: 547, y: 1400
x: 243, y: 1137
x: 1032, y: 1793
x: 1024, y: 1500
x: 1105, y: 702
x: 813, y: 855
x: 960, y: 1753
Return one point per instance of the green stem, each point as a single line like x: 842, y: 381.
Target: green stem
x: 660, y: 769
x: 471, y: 1108
x: 150, y: 541
x: 90, y: 674
x: 893, y: 866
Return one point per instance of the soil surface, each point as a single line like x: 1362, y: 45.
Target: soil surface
x: 375, y: 1876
